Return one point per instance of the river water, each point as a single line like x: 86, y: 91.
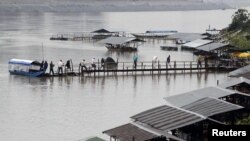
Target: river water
x: 74, y: 108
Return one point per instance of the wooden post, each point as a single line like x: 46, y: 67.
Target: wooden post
x: 123, y: 68
x: 127, y: 71
x: 98, y: 67
x: 152, y: 67
x: 143, y: 69
x: 191, y: 66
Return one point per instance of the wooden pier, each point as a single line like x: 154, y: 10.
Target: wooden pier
x: 141, y: 68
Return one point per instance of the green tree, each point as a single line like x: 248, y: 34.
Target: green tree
x: 239, y: 20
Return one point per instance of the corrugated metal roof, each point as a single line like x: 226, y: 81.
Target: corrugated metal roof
x: 186, y: 36
x: 189, y: 97
x: 210, y: 106
x: 235, y: 81
x: 167, y: 118
x: 128, y: 131
x: 158, y: 132
x: 197, y: 43
x: 212, y: 46
x: 119, y: 40
x: 240, y: 72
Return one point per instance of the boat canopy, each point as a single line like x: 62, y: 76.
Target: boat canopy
x: 24, y: 62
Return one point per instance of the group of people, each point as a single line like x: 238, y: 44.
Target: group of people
x: 154, y: 61
x: 44, y: 66
x: 93, y: 64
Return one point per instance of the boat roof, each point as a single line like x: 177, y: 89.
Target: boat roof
x: 120, y: 40
x: 22, y: 62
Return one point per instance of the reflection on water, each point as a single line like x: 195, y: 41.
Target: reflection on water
x: 73, y: 108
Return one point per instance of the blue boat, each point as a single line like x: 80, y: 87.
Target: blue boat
x: 26, y: 67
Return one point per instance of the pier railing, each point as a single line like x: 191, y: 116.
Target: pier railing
x: 141, y: 67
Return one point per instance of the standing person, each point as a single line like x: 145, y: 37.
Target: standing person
x: 45, y: 66
x: 93, y: 63
x: 42, y: 65
x: 102, y: 63
x: 68, y: 65
x: 135, y: 59
x: 199, y: 62
x: 51, y: 68
x: 60, y: 67
x: 154, y: 61
x: 168, y: 62
x: 206, y: 63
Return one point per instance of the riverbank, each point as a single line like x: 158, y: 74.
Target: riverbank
x: 117, y: 5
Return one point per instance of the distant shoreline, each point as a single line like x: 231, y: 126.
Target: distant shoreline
x: 119, y: 6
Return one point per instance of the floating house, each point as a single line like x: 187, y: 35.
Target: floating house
x: 196, y: 43
x: 154, y: 34
x: 240, y: 84
x: 122, y: 43
x: 182, y: 38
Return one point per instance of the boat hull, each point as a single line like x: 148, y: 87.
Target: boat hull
x: 30, y: 74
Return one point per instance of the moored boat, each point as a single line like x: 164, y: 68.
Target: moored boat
x: 26, y: 67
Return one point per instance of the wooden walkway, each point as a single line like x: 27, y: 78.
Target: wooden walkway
x: 128, y: 68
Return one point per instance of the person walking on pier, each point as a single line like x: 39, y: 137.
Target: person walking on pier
x: 51, y: 68
x: 168, y: 62
x: 60, y: 67
x: 135, y: 59
x: 199, y: 65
